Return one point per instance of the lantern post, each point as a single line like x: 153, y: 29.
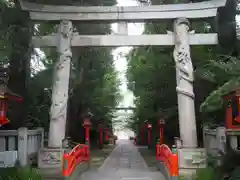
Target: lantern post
x: 100, y: 128
x: 107, y: 134
x: 142, y: 135
x: 149, y: 126
x: 161, y: 124
x: 87, y: 125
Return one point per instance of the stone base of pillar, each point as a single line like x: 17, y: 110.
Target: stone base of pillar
x: 191, y: 159
x: 50, y: 157
x: 188, y: 174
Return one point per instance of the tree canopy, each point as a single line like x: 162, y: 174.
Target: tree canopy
x: 93, y: 82
x: 152, y: 77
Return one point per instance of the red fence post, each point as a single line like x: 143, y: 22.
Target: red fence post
x: 175, y: 164
x: 169, y: 159
x: 79, y: 154
x: 65, y: 165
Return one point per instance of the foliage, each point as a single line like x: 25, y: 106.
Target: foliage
x: 208, y: 173
x: 230, y: 161
x: 236, y: 173
x: 229, y: 168
x: 17, y: 173
x: 151, y: 75
x: 93, y: 81
x: 226, y: 73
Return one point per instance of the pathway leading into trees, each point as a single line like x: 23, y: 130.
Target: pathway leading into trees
x: 124, y: 163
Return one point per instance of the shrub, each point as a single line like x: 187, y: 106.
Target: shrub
x: 230, y: 161
x: 18, y: 173
x: 235, y: 175
x: 208, y: 173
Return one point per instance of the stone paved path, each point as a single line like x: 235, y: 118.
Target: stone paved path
x: 124, y: 163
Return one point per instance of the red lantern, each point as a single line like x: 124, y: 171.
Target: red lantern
x: 87, y: 122
x: 5, y: 95
x: 3, y: 111
x: 149, y: 126
x: 232, y: 105
x: 161, y: 122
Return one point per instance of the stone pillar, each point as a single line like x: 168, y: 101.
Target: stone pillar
x: 23, y: 146
x: 233, y: 142
x: 221, y: 139
x: 42, y: 136
x: 58, y: 112
x: 184, y: 76
x: 122, y: 28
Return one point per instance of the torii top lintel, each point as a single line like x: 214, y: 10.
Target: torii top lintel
x: 118, y: 13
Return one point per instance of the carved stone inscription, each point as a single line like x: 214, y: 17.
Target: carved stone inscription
x: 192, y: 158
x: 50, y: 158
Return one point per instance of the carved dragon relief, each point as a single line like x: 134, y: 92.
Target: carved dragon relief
x: 182, y: 56
x: 65, y: 56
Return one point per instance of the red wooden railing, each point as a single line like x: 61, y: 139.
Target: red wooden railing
x: 71, y: 160
x: 169, y: 158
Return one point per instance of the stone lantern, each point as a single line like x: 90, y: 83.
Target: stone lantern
x: 5, y: 95
x: 161, y: 124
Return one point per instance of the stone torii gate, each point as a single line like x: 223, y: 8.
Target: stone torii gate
x: 181, y: 38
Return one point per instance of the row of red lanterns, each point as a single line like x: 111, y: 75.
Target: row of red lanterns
x: 87, y: 125
x: 148, y: 126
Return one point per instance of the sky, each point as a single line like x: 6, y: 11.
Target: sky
x: 119, y: 59
x: 120, y: 62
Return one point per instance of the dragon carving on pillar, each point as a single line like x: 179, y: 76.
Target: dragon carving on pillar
x: 184, y: 67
